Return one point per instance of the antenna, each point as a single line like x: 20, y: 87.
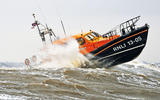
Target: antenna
x: 50, y: 33
x: 63, y: 28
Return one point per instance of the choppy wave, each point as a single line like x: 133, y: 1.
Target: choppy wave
x: 133, y: 80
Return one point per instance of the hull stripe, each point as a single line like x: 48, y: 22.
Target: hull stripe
x: 122, y: 51
x: 119, y: 42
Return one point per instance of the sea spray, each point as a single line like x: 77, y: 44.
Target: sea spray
x: 58, y: 56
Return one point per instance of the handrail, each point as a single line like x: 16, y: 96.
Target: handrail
x: 124, y: 28
x: 129, y: 25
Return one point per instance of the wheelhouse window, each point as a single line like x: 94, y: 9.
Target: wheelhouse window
x: 95, y: 34
x: 89, y: 37
x: 81, y: 41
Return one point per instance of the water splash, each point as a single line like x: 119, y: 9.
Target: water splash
x: 59, y: 56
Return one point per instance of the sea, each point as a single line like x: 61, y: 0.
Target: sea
x: 71, y: 76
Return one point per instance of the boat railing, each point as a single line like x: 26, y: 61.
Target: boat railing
x: 124, y: 28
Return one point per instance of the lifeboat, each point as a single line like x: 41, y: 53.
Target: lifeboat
x: 122, y: 44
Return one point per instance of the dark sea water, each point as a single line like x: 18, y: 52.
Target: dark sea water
x: 131, y: 81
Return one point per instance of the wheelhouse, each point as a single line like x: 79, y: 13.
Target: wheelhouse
x: 89, y: 37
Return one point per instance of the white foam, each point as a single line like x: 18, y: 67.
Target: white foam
x: 58, y: 56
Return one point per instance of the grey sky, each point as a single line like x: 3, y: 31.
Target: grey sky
x: 18, y: 41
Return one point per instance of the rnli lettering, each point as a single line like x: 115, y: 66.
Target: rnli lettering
x: 128, y: 43
x: 117, y: 48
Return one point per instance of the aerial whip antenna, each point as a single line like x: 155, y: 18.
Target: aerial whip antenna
x: 63, y: 28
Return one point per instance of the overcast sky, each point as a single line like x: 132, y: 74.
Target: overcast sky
x: 18, y: 41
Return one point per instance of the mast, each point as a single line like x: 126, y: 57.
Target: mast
x: 44, y: 31
x: 40, y: 33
